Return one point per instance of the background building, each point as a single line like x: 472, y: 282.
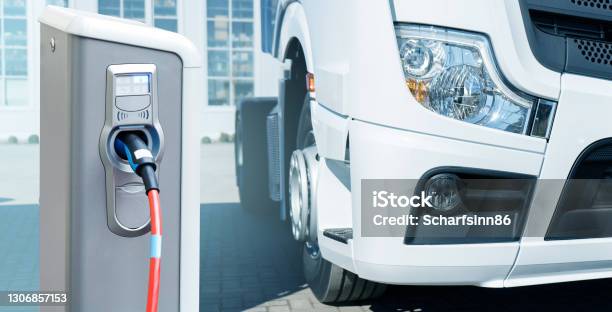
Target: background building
x: 227, y: 32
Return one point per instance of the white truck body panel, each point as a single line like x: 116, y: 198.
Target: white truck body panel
x: 351, y: 48
x: 576, y: 128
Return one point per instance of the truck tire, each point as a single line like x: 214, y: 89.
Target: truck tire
x: 251, y: 156
x: 333, y: 284
x: 329, y: 282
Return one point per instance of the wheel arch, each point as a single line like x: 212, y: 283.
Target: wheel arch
x: 294, y: 29
x: 331, y: 126
x: 294, y: 46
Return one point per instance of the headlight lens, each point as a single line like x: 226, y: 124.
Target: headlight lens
x: 453, y: 73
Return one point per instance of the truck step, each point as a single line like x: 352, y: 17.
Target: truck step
x: 341, y: 235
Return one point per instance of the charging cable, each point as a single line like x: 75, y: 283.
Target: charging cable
x: 132, y: 147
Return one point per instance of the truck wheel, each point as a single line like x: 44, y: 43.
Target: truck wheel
x: 333, y: 284
x: 251, y: 157
x: 329, y: 282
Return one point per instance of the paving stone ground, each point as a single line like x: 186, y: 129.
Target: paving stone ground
x: 249, y: 262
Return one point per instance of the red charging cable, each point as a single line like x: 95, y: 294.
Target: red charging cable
x: 135, y: 150
x: 155, y: 260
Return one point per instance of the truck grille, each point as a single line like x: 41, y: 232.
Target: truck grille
x: 595, y: 4
x: 595, y: 52
x: 571, y: 26
x: 573, y: 36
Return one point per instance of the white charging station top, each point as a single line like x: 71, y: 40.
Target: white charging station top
x: 108, y: 28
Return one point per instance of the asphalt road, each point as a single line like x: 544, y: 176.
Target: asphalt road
x: 250, y: 262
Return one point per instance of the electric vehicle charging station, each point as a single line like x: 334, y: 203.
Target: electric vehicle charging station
x: 102, y: 77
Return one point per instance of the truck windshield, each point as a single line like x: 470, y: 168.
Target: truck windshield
x: 268, y: 20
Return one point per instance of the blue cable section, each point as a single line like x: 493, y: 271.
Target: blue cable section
x: 156, y: 245
x: 129, y: 158
x: 119, y: 145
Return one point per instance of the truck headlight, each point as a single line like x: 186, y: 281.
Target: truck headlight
x: 454, y: 74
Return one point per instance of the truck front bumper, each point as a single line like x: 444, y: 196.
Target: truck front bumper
x: 383, y: 152
x: 379, y: 152
x: 394, y: 137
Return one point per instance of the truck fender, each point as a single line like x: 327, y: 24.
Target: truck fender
x: 295, y: 25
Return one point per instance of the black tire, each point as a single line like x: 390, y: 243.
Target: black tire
x: 251, y: 156
x: 334, y: 285
x: 329, y: 282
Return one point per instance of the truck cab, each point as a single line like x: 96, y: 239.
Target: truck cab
x: 490, y: 107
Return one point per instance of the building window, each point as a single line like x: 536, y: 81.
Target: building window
x: 164, y: 14
x: 164, y: 11
x: 13, y: 53
x: 62, y: 3
x: 242, y: 8
x: 110, y: 7
x: 229, y: 41
x: 134, y: 9
x: 217, y: 9
x: 268, y: 19
x: 131, y: 9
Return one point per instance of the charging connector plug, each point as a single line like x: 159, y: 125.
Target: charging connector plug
x: 131, y: 147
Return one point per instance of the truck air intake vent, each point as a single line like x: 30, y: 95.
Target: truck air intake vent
x: 595, y: 52
x: 274, y: 167
x: 585, y: 205
x: 572, y: 26
x: 573, y: 36
x: 597, y: 4
x: 601, y: 154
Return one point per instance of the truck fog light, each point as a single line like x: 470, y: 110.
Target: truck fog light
x: 444, y: 190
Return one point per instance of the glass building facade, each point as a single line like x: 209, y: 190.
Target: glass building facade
x: 229, y: 48
x: 132, y: 9
x: 14, y: 75
x: 164, y: 13
x: 224, y: 30
x: 63, y: 3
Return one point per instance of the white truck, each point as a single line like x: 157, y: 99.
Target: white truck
x: 441, y: 92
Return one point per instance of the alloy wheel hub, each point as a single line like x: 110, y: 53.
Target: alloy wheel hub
x: 302, y: 181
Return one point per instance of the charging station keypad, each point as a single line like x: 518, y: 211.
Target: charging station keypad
x: 131, y: 105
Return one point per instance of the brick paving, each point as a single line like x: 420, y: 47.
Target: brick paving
x: 250, y: 262
x: 18, y: 250
x: 239, y: 269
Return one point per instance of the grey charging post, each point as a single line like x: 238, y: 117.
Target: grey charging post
x: 101, y: 76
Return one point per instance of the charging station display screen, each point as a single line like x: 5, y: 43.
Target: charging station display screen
x: 132, y: 84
